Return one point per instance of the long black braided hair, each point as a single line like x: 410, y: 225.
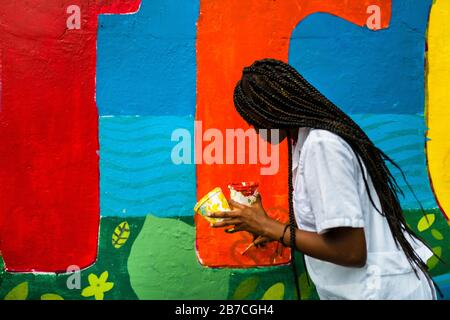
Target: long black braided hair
x: 273, y: 95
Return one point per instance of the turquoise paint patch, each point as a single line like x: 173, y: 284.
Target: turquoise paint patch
x: 443, y: 282
x: 402, y: 138
x: 137, y: 175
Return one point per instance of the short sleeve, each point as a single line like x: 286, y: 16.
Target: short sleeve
x: 331, y: 184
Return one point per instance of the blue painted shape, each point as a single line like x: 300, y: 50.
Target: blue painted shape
x: 137, y: 175
x: 364, y: 71
x: 443, y: 283
x: 146, y: 63
x: 402, y: 138
x: 377, y: 77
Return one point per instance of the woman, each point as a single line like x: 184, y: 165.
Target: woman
x: 345, y: 216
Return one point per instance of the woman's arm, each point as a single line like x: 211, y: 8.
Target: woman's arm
x: 343, y: 246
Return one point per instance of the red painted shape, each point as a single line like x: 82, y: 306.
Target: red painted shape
x: 118, y: 6
x: 49, y: 172
x: 232, y: 34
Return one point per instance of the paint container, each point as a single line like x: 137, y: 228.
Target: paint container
x: 214, y: 201
x: 244, y: 192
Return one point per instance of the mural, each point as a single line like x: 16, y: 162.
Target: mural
x: 92, y: 206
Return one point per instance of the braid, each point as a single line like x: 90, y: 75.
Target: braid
x: 292, y: 224
x: 273, y: 95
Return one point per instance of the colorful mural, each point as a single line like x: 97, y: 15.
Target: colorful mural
x: 92, y: 206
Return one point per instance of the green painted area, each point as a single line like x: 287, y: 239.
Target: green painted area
x: 163, y: 264
x: 275, y: 292
x: 257, y: 283
x: 246, y: 288
x: 109, y: 259
x: 436, y: 233
x: 158, y: 261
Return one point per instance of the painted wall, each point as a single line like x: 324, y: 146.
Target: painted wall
x: 87, y: 114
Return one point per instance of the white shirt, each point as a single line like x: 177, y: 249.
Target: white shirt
x: 329, y: 192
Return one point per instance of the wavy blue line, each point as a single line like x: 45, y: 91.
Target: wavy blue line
x: 371, y: 118
x: 422, y: 172
x: 362, y: 118
x: 417, y: 180
x: 134, y: 154
x: 420, y: 156
x: 155, y: 198
x: 184, y: 184
x: 111, y: 165
x: 422, y: 186
x: 152, y: 182
x: 376, y: 125
x: 157, y: 171
x: 414, y: 160
x: 398, y: 134
x: 138, y: 133
x: 123, y: 119
x: 151, y: 139
x: 155, y: 124
x: 168, y: 209
x: 414, y: 146
x: 126, y: 120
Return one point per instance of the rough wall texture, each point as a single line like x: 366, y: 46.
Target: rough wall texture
x: 86, y: 117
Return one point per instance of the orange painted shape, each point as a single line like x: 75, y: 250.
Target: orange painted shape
x: 232, y: 34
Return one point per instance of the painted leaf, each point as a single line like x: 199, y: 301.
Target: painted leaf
x: 425, y: 222
x: 437, y: 234
x: 275, y: 292
x: 433, y: 261
x: 121, y: 235
x: 51, y: 296
x: 246, y: 288
x: 20, y: 292
x: 306, y: 288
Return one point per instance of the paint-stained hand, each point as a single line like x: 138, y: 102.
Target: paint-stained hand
x: 253, y: 219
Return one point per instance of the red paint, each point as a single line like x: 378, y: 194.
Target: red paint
x: 49, y: 172
x: 232, y: 34
x: 117, y: 6
x: 246, y: 188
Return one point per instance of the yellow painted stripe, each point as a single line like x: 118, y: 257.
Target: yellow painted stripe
x: 438, y: 108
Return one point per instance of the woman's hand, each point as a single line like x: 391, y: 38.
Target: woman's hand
x: 253, y: 219
x: 261, y: 241
x: 344, y: 246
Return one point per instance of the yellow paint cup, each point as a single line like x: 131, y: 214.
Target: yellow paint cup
x: 214, y: 201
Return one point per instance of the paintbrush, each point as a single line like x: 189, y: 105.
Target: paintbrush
x: 250, y: 245
x: 253, y: 243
